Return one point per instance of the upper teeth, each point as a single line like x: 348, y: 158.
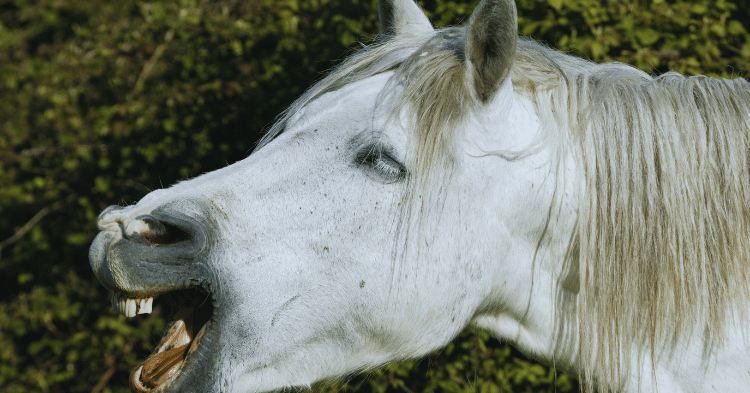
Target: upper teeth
x: 127, y: 306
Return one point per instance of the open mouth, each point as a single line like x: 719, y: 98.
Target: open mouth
x: 191, y: 310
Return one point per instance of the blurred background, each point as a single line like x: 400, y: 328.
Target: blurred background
x: 104, y: 101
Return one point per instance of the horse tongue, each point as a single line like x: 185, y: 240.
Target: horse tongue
x: 162, y: 366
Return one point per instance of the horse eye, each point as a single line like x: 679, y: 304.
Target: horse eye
x: 376, y: 161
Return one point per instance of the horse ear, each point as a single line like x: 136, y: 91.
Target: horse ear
x: 491, y: 45
x: 399, y: 17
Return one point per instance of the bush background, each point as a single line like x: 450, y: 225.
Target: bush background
x: 101, y: 102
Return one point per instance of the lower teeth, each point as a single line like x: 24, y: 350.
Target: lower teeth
x: 162, y: 366
x: 192, y: 311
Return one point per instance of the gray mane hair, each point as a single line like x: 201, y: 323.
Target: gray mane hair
x: 662, y: 238
x: 663, y: 220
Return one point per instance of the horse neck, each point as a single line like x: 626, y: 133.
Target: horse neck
x: 547, y: 330
x: 534, y: 304
x: 533, y: 300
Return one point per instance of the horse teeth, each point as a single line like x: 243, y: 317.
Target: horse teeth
x: 145, y: 306
x: 130, y: 307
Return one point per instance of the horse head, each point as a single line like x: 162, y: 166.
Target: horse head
x: 429, y: 183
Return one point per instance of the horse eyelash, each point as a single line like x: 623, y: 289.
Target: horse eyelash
x: 384, y: 165
x: 387, y: 166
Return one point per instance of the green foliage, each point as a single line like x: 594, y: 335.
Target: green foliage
x: 472, y: 363
x: 100, y: 102
x: 690, y: 37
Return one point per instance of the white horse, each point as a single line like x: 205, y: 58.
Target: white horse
x: 595, y: 217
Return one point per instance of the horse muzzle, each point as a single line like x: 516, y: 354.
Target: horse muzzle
x: 141, y: 256
x: 149, y: 254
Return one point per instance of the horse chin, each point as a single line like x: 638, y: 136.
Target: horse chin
x: 179, y: 363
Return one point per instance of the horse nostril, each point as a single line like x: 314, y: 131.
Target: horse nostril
x: 146, y: 228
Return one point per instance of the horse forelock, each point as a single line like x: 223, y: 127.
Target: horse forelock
x: 428, y: 91
x: 432, y: 91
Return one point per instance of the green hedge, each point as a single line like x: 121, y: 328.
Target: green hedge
x: 101, y: 102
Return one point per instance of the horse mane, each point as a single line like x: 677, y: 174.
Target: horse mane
x: 663, y: 230
x: 663, y: 219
